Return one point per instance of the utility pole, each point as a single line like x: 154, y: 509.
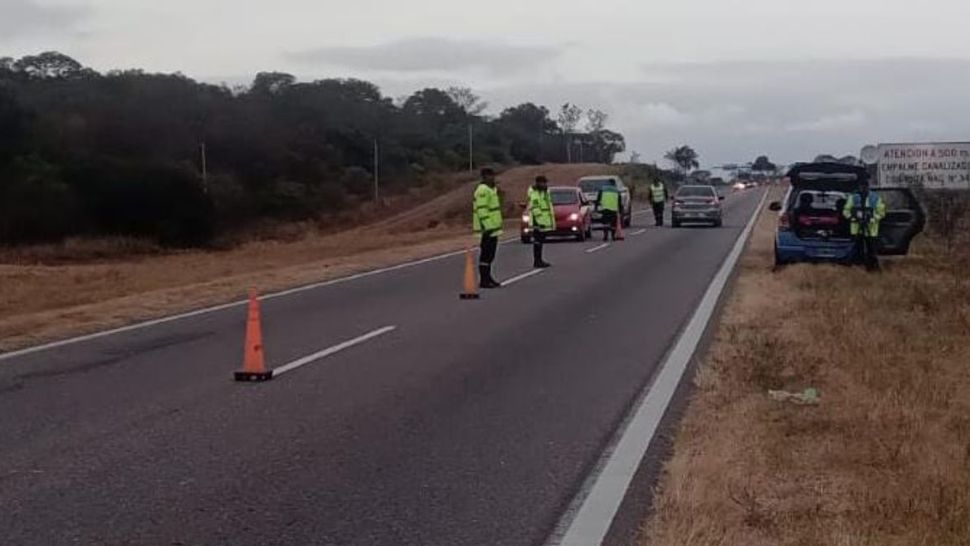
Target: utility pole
x: 377, y: 186
x: 471, y: 150
x: 205, y: 173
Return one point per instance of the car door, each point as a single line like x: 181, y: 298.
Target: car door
x: 904, y: 220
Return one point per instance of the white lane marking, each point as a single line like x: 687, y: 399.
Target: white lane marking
x: 522, y: 277
x: 230, y: 305
x: 597, y: 248
x: 638, y: 232
x: 607, y: 487
x: 331, y: 350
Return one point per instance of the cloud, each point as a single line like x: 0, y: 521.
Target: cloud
x: 856, y: 118
x: 662, y: 114
x: 431, y: 55
x: 26, y: 17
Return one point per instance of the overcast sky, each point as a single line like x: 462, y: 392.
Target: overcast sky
x: 733, y: 78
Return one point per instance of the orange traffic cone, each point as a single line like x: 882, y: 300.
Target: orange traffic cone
x: 254, y: 361
x: 619, y: 227
x: 471, y: 287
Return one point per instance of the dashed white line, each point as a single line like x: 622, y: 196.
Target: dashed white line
x: 597, y: 248
x: 638, y: 232
x: 522, y: 277
x: 331, y: 350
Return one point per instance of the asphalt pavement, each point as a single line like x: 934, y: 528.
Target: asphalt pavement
x: 467, y: 423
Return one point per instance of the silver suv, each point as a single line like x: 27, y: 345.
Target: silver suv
x: 696, y: 204
x: 590, y: 186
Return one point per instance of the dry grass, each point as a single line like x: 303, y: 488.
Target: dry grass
x: 81, y: 286
x: 883, y: 460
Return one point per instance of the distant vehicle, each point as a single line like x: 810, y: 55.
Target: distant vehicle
x: 811, y: 227
x: 696, y: 204
x: 739, y: 186
x: 574, y: 215
x: 590, y: 186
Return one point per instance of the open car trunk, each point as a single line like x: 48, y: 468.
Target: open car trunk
x: 819, y: 191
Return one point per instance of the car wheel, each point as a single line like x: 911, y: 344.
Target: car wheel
x: 718, y: 223
x: 627, y: 221
x: 674, y: 223
x: 526, y: 240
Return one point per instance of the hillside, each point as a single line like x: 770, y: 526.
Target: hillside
x: 39, y: 301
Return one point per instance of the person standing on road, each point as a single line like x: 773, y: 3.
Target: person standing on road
x: 608, y: 203
x: 865, y: 210
x: 658, y: 198
x: 487, y: 221
x: 542, y: 218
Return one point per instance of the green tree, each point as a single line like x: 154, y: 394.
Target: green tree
x: 684, y: 157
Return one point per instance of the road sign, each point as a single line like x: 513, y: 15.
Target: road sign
x: 944, y: 165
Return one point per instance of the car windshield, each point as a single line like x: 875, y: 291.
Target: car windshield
x: 696, y: 191
x: 593, y: 185
x: 564, y: 198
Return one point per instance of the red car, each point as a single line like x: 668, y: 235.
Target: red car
x: 574, y: 215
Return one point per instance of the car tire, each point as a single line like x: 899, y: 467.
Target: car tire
x: 627, y: 221
x: 526, y: 240
x: 718, y: 223
x: 674, y: 223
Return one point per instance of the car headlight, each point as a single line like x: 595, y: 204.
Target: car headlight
x: 525, y: 218
x: 574, y: 217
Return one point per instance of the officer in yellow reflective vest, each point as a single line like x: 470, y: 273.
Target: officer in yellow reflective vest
x: 608, y: 203
x: 865, y: 210
x: 658, y: 198
x: 542, y: 218
x: 487, y: 221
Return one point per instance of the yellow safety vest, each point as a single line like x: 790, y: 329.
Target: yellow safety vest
x: 487, y: 210
x: 658, y: 193
x: 877, y: 207
x: 541, y: 212
x: 610, y: 199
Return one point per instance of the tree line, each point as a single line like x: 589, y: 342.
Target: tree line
x: 165, y: 157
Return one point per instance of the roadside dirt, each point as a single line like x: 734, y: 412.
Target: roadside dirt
x: 883, y: 459
x: 43, y: 302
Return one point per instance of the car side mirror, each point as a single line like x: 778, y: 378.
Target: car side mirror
x: 775, y: 206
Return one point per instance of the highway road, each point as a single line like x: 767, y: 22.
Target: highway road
x: 468, y: 423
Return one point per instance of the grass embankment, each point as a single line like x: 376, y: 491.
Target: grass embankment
x: 884, y: 459
x: 81, y: 286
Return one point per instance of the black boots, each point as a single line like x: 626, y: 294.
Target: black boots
x: 485, y: 276
x: 537, y: 261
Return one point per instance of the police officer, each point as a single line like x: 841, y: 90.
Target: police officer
x: 487, y: 221
x: 542, y: 218
x: 865, y: 210
x: 608, y: 203
x: 658, y: 198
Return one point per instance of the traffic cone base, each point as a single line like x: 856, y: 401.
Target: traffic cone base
x: 470, y: 291
x: 253, y: 377
x: 254, y: 362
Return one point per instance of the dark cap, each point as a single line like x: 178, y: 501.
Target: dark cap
x: 541, y: 179
x: 487, y: 171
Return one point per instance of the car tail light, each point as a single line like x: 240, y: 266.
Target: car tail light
x: 784, y: 222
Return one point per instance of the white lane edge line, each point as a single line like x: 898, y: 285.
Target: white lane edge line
x: 522, y: 277
x: 598, y: 248
x: 331, y: 350
x: 592, y: 521
x: 638, y: 232
x: 221, y: 307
